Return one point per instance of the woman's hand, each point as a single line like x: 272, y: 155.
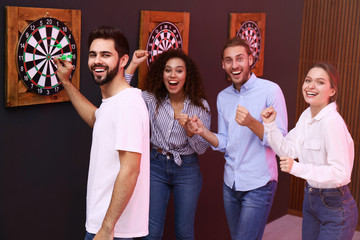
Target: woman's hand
x: 286, y: 164
x: 138, y: 57
x: 268, y: 115
x: 183, y: 119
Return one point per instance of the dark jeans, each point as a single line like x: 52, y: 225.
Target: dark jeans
x: 329, y: 214
x: 247, y: 211
x: 184, y: 182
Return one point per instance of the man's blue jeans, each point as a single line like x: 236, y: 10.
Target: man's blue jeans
x: 90, y: 236
x: 328, y: 214
x: 247, y: 211
x: 184, y: 182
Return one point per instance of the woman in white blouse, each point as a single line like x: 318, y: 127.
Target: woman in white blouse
x: 325, y: 151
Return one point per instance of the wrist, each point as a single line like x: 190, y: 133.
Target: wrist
x: 189, y: 134
x: 131, y: 68
x: 107, y: 228
x: 205, y: 133
x: 66, y: 83
x: 252, y: 122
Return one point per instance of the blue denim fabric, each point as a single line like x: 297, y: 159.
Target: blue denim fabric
x: 329, y: 214
x: 247, y: 211
x: 184, y: 182
x: 90, y: 236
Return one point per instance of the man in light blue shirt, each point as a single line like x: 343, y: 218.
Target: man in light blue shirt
x: 250, y: 174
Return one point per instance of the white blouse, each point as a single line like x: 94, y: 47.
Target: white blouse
x: 323, y: 146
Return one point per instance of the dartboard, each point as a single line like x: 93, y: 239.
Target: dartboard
x: 163, y: 37
x: 251, y: 33
x: 41, y: 41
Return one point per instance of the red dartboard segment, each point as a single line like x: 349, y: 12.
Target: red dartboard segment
x: 163, y: 37
x: 40, y: 42
x: 251, y: 33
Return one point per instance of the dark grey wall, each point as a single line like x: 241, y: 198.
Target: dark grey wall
x: 44, y: 149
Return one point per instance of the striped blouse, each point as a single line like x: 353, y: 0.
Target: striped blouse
x: 166, y: 132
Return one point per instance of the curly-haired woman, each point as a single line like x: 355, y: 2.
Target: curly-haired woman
x: 173, y: 93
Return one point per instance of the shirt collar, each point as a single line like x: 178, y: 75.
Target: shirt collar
x: 249, y: 83
x: 329, y: 108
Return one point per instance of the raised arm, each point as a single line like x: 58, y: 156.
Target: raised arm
x: 282, y: 145
x: 268, y: 115
x: 85, y: 109
x: 138, y: 57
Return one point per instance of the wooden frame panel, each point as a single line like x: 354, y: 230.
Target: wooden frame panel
x: 17, y: 19
x: 149, y: 20
x: 236, y: 22
x: 331, y: 33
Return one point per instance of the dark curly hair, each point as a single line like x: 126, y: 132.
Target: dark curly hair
x: 193, y: 87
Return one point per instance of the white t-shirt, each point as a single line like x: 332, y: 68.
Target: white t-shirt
x: 122, y: 123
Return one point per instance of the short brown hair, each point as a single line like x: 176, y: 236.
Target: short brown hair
x: 108, y: 32
x: 236, y: 41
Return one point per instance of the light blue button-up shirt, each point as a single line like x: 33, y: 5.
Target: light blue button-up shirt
x: 250, y: 162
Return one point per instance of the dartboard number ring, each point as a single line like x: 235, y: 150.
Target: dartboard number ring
x: 40, y: 42
x: 163, y: 37
x: 251, y: 33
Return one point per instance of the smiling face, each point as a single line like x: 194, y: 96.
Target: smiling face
x: 317, y: 89
x: 103, y: 61
x: 236, y: 62
x: 174, y: 76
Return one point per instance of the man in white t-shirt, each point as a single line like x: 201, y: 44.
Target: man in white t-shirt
x: 118, y: 182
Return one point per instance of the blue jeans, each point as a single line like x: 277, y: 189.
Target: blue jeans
x: 184, y: 182
x: 90, y: 236
x: 329, y: 214
x: 247, y: 211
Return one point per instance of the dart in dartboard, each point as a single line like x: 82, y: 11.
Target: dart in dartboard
x: 41, y: 41
x: 62, y: 57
